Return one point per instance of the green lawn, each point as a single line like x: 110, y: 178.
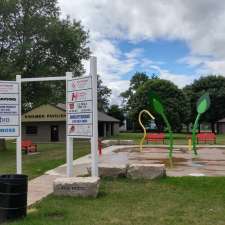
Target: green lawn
x: 49, y: 157
x: 178, y: 138
x: 169, y: 201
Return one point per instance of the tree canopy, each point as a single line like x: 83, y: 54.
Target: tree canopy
x: 117, y: 112
x: 215, y: 86
x: 173, y: 99
x: 103, y: 95
x: 35, y: 42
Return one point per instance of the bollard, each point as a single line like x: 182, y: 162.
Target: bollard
x: 189, y: 143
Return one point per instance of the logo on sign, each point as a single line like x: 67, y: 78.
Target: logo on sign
x: 71, y: 105
x: 72, y: 129
x: 78, y: 95
x: 7, y: 130
x: 8, y: 99
x: 4, y: 119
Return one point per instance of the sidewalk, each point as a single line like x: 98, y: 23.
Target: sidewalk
x: 42, y: 186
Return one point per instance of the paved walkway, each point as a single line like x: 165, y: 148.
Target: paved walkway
x: 42, y: 186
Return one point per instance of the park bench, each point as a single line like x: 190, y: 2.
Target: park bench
x: 28, y: 146
x: 206, y: 137
x: 155, y: 137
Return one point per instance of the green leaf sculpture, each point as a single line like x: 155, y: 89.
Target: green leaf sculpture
x: 202, y: 106
x: 203, y: 103
x: 157, y: 106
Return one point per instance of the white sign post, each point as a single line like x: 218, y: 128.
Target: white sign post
x: 82, y: 118
x: 10, y: 115
x: 81, y: 111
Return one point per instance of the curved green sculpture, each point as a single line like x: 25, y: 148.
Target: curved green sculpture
x: 156, y: 104
x: 202, y: 106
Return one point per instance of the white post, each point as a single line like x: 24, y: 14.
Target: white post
x: 69, y: 140
x: 18, y: 140
x: 94, y: 139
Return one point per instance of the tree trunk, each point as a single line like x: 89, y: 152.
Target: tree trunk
x: 2, y: 145
x: 187, y: 128
x: 212, y: 127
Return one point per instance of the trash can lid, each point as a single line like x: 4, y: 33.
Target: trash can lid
x: 13, y: 176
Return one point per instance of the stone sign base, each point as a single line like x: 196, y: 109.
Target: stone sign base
x: 146, y: 171
x: 77, y: 186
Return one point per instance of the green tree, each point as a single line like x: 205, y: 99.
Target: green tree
x: 35, y: 42
x: 138, y: 79
x: 173, y: 99
x: 117, y: 112
x: 215, y: 86
x: 103, y: 95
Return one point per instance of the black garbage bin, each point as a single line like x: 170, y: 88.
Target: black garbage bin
x: 13, y: 196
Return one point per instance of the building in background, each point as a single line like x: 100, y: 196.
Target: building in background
x: 221, y: 126
x: 47, y: 123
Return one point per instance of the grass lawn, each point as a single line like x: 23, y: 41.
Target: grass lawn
x: 178, y: 138
x: 169, y: 201
x: 49, y: 157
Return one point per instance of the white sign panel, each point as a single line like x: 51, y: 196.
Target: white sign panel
x: 80, y: 130
x: 6, y: 99
x: 9, y: 109
x: 6, y: 87
x: 9, y: 120
x: 82, y: 95
x: 9, y: 131
x: 79, y: 84
x: 84, y: 118
x: 79, y: 107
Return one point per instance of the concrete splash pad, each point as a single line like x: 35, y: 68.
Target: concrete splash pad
x: 209, y: 162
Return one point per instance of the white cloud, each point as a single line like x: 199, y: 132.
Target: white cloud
x: 200, y: 23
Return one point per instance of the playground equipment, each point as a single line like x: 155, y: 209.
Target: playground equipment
x: 202, y: 106
x: 143, y: 127
x: 156, y: 104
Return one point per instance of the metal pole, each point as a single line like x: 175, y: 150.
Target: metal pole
x: 94, y: 139
x: 18, y: 139
x: 69, y: 140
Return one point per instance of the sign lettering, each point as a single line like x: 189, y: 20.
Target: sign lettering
x: 9, y: 109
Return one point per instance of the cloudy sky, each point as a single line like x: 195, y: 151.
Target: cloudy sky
x: 177, y: 39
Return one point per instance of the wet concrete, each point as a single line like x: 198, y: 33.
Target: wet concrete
x: 209, y: 162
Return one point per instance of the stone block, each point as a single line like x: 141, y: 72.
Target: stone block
x: 77, y: 186
x: 111, y: 170
x: 146, y: 171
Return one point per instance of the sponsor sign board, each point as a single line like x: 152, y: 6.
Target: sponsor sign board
x: 6, y: 99
x: 79, y: 84
x: 81, y: 95
x: 9, y: 120
x: 9, y: 109
x: 9, y: 131
x: 84, y: 118
x: 80, y: 130
x: 80, y: 107
x: 6, y: 87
